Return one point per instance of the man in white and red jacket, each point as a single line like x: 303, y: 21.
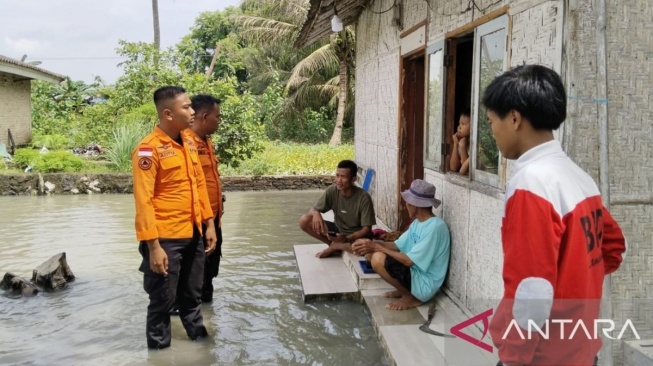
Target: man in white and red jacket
x: 559, y: 240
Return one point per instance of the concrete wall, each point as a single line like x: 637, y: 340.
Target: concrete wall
x: 541, y: 30
x: 15, y: 109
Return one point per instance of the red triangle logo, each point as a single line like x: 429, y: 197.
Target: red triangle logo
x: 485, y: 317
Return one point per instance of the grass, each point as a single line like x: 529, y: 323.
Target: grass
x: 125, y: 139
x: 276, y: 159
x: 292, y: 159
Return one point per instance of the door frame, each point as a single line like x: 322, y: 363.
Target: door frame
x: 412, y: 98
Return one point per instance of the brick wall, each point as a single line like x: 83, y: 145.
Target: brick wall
x: 15, y: 109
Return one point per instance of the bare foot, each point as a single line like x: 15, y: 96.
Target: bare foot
x: 406, y: 302
x: 396, y: 294
x: 328, y: 252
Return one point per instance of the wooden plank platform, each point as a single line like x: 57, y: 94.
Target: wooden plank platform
x: 325, y: 277
x: 398, y: 331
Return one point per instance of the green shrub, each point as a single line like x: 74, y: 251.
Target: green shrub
x: 52, y: 142
x: 25, y: 157
x: 239, y: 136
x: 59, y: 161
x: 50, y: 162
x: 125, y: 139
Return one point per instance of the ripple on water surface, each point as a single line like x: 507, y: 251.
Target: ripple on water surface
x: 257, y: 317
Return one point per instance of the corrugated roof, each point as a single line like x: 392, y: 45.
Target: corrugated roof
x: 318, y: 21
x: 24, y: 65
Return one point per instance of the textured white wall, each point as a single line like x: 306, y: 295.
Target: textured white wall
x: 15, y: 109
x: 474, y: 218
x: 538, y: 36
x: 377, y: 95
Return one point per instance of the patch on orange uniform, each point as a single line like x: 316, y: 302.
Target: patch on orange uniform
x: 145, y: 151
x: 145, y: 163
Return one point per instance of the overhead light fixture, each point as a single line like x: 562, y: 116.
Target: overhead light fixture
x: 336, y: 23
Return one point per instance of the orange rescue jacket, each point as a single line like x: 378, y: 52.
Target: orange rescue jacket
x: 169, y: 187
x: 210, y: 164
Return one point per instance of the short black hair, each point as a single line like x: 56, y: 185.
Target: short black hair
x: 466, y: 112
x: 535, y: 91
x: 167, y: 92
x: 349, y: 164
x: 204, y: 102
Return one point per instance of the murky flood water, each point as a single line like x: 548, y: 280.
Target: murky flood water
x: 257, y: 317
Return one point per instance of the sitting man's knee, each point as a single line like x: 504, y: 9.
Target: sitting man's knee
x: 378, y: 260
x: 305, y: 222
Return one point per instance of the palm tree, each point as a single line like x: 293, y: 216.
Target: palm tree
x: 323, y: 74
x: 344, y: 46
x: 157, y: 30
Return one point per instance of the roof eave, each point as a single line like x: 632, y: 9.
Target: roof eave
x: 318, y: 20
x: 30, y: 73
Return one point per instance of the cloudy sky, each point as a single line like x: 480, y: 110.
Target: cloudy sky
x: 78, y: 38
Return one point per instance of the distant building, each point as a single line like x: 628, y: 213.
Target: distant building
x: 15, y: 98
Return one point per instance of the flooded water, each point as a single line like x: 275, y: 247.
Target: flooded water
x: 257, y: 316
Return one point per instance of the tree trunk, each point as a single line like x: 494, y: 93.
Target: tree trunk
x: 336, y: 138
x: 18, y: 285
x: 54, y: 273
x: 209, y: 72
x: 157, y: 31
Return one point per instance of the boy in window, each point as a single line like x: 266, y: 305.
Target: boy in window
x: 559, y: 241
x: 460, y: 152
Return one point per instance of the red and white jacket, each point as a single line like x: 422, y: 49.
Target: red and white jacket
x: 559, y: 242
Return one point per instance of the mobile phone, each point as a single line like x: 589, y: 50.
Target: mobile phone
x: 332, y: 229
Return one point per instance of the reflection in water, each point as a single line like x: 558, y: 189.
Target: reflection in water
x: 257, y: 317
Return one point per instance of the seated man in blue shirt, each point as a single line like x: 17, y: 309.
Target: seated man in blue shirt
x: 416, y: 263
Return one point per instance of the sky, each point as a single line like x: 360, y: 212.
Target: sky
x: 78, y: 38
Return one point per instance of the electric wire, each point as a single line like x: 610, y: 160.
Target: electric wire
x: 394, y: 3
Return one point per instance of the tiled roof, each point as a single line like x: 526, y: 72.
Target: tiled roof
x: 8, y: 60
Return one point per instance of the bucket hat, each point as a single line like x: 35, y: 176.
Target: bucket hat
x: 421, y: 194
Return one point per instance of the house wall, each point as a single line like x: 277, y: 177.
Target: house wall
x: 630, y: 116
x: 377, y: 94
x: 15, y: 109
x: 472, y: 211
x: 541, y: 30
x: 630, y: 90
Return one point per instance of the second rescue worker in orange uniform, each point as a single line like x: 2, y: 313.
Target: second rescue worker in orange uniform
x: 207, y: 120
x: 171, y: 205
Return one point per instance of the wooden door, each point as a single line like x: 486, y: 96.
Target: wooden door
x: 411, y: 128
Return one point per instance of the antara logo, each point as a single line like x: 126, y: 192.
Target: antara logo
x: 485, y: 317
x: 578, y: 330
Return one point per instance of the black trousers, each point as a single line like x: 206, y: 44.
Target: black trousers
x: 212, y: 266
x: 184, y: 282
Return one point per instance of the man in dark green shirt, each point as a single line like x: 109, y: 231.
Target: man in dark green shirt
x: 352, y: 208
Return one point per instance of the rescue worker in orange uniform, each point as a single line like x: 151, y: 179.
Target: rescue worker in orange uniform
x: 206, y: 122
x: 171, y: 205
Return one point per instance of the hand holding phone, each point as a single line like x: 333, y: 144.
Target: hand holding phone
x: 332, y: 229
